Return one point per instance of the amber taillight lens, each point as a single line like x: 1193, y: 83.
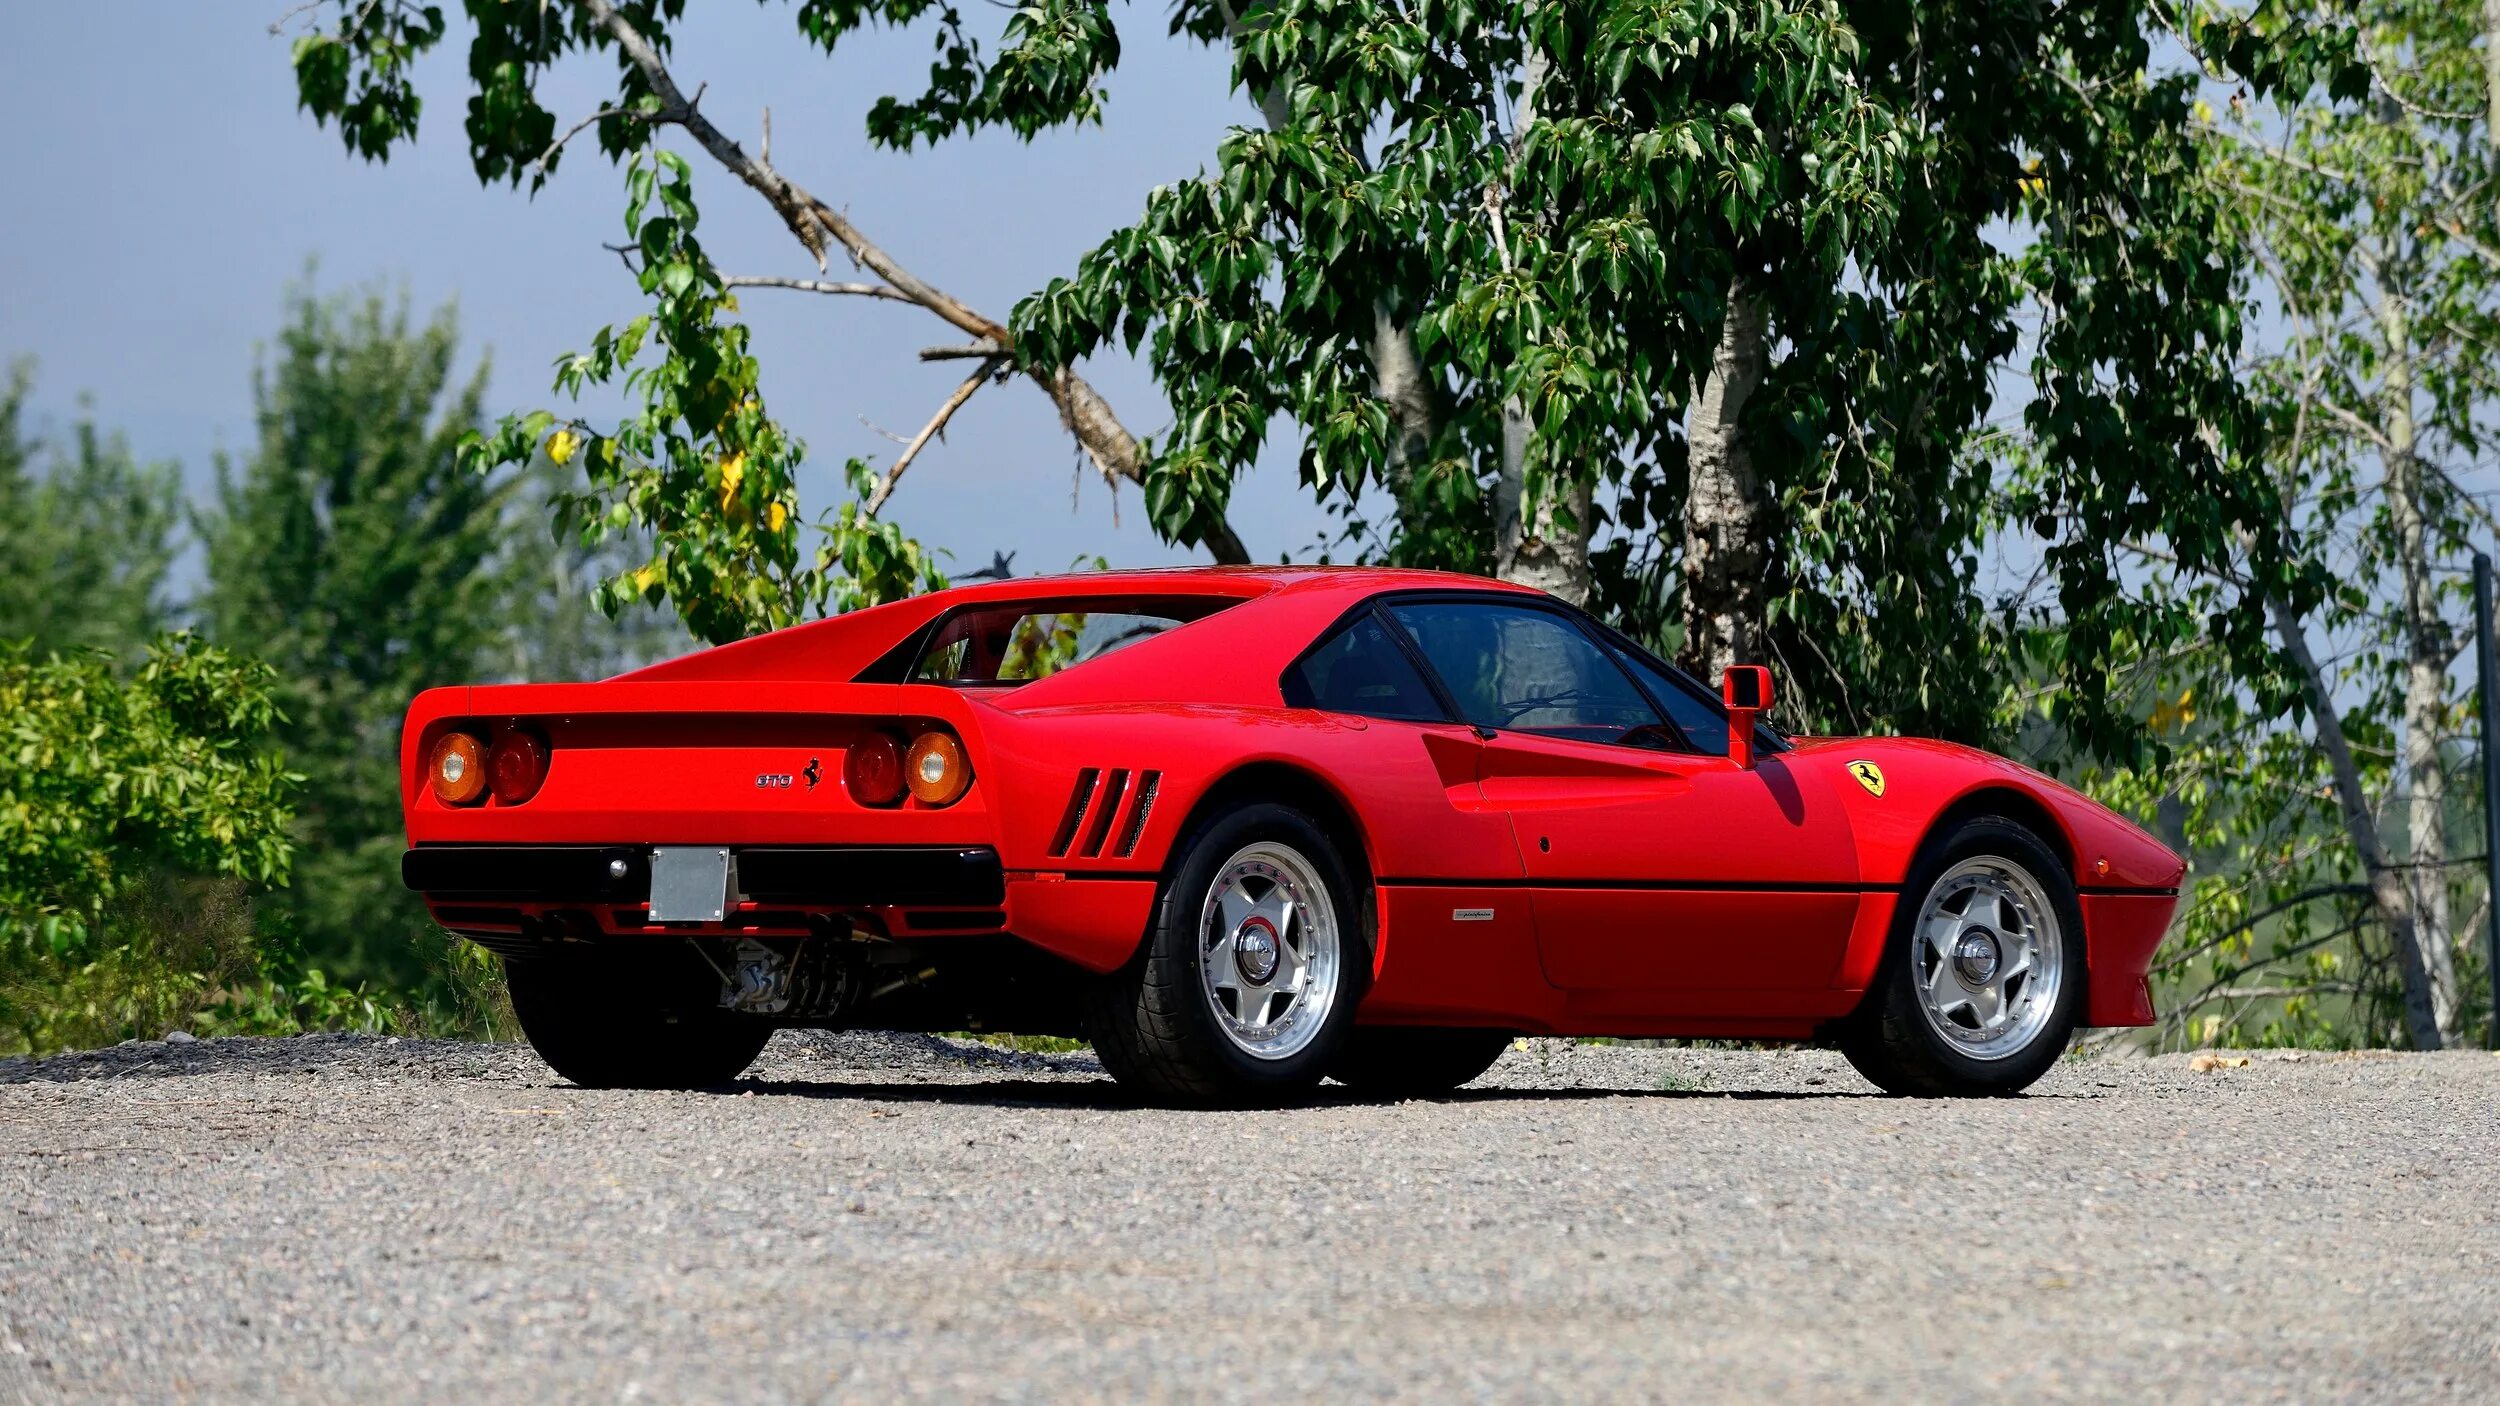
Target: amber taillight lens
x: 517, y: 767
x: 937, y: 769
x: 872, y: 769
x: 457, y: 769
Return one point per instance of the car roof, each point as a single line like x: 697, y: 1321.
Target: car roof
x: 1293, y: 604
x: 1245, y: 581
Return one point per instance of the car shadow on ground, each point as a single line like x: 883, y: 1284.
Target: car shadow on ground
x: 1104, y: 1094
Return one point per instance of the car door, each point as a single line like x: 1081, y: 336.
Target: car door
x: 1651, y: 866
x: 1456, y: 943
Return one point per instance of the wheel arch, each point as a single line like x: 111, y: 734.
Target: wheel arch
x: 1284, y: 782
x: 2005, y: 803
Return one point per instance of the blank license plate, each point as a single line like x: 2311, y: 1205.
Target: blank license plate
x: 689, y: 884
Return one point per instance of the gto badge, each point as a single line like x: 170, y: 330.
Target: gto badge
x: 772, y: 781
x: 1869, y: 776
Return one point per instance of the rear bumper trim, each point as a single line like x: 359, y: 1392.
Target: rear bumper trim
x: 850, y: 876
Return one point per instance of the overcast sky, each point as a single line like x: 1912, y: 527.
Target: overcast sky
x: 166, y: 191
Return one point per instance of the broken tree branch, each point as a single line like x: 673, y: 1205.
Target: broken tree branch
x: 935, y: 429
x: 1113, y: 450
x: 814, y: 285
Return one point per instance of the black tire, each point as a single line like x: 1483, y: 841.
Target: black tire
x: 1890, y: 1039
x: 632, y: 1020
x: 1391, y: 1061
x: 1153, y: 1022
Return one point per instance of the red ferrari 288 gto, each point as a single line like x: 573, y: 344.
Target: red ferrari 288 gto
x: 1248, y: 828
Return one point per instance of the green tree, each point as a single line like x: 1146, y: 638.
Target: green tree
x: 2373, y: 226
x: 87, y: 542
x: 354, y: 555
x: 1697, y: 311
x: 137, y: 816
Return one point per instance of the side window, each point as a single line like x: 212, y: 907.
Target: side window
x: 1362, y: 670
x: 1701, y: 722
x: 1528, y: 670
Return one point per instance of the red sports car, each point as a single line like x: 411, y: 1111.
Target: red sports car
x: 1247, y: 828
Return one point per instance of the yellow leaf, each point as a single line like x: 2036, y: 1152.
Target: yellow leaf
x: 2033, y: 185
x: 2206, y: 1063
x: 644, y: 577
x: 2170, y: 717
x: 2203, y: 110
x: 729, y: 301
x: 775, y: 516
x: 733, y: 471
x: 562, y: 445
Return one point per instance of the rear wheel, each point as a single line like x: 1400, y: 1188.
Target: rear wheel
x: 632, y: 1020
x: 1250, y: 971
x: 1411, y: 1062
x: 1983, y: 980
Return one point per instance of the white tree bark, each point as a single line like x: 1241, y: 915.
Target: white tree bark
x: 2491, y: 73
x: 1413, y: 397
x: 2389, y: 893
x: 1540, y: 539
x: 2427, y: 652
x: 1726, y: 527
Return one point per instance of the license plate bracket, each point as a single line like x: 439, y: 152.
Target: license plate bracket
x: 689, y: 883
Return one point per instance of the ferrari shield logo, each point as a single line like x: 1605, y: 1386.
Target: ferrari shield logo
x: 1869, y: 776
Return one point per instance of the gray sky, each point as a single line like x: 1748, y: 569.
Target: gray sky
x: 166, y: 191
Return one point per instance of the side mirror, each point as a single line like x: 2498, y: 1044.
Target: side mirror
x: 1746, y: 690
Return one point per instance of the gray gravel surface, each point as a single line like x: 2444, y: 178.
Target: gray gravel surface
x: 870, y: 1217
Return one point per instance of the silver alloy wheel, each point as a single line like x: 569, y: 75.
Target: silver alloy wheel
x: 1988, y: 958
x: 1268, y: 954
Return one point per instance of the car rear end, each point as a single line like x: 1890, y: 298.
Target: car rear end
x: 620, y: 810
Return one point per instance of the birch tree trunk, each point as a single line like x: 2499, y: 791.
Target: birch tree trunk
x: 1542, y: 543
x: 1726, y: 515
x: 2491, y: 73
x: 1542, y: 539
x: 2427, y: 654
x: 2389, y: 894
x: 1413, y: 397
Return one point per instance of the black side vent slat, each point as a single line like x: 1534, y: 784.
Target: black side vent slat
x: 1109, y: 807
x: 1078, y: 799
x: 1146, y: 787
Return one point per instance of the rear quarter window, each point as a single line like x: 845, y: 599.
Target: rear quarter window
x: 1362, y: 670
x: 1008, y: 643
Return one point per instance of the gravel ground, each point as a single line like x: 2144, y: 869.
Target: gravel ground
x: 879, y: 1216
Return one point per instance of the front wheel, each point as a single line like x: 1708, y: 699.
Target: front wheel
x: 632, y: 1020
x: 1250, y: 971
x: 1982, y: 982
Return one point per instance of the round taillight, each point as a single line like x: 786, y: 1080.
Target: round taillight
x: 872, y: 769
x: 937, y: 770
x: 517, y: 767
x: 457, y: 769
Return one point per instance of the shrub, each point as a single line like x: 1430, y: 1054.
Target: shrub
x: 137, y: 817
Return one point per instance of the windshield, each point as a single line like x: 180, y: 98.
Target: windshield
x: 1020, y: 641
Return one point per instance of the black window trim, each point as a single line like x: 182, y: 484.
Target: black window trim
x: 1609, y: 642
x: 1578, y: 619
x: 1370, y: 607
